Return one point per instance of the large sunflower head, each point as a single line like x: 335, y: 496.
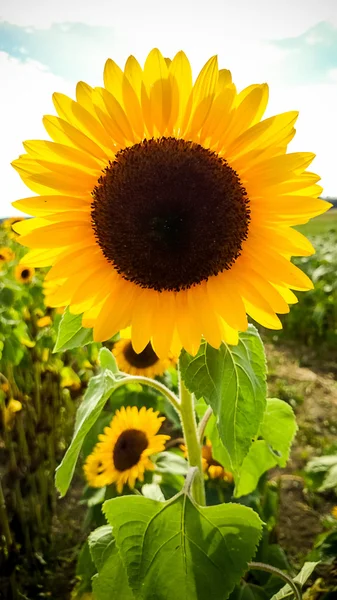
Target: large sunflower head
x: 145, y: 363
x: 168, y: 205
x: 126, y: 446
x: 23, y: 273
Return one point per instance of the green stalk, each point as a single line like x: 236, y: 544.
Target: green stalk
x: 189, y: 424
x: 257, y: 566
x: 4, y: 521
x: 151, y: 383
x: 23, y: 449
x: 37, y: 384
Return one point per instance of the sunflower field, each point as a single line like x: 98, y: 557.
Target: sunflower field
x: 151, y: 442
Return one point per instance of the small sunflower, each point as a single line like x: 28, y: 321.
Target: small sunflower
x: 24, y: 274
x: 168, y: 205
x: 126, y: 446
x: 93, y: 470
x: 6, y: 254
x: 145, y: 363
x: 8, y: 225
x: 211, y: 466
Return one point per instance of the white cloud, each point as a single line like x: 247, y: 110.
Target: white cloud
x: 316, y: 126
x: 25, y: 97
x: 261, y: 18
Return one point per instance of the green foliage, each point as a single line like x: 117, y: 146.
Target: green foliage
x: 99, y: 390
x: 71, y: 334
x: 85, y: 570
x: 108, y: 361
x: 323, y: 470
x: 286, y: 593
x: 111, y: 580
x: 277, y: 429
x: 232, y: 380
x: 206, y: 548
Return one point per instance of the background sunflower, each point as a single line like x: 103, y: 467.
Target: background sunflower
x: 24, y: 274
x: 125, y: 447
x: 146, y: 363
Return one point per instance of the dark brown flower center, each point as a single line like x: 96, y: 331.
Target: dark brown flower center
x: 168, y: 214
x: 25, y: 273
x: 128, y: 449
x: 146, y: 358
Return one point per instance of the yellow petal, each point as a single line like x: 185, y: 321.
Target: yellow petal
x: 203, y: 94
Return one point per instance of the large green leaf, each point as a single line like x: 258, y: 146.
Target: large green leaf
x: 111, y: 580
x: 182, y: 551
x: 278, y: 429
x: 98, y: 391
x: 232, y: 380
x: 71, y: 334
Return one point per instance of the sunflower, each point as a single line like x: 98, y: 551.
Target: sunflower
x: 24, y: 274
x: 6, y: 254
x: 145, y: 363
x: 212, y: 467
x: 126, y: 446
x: 8, y: 226
x: 168, y: 205
x: 93, y: 470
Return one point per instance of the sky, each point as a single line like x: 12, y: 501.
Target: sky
x: 47, y: 46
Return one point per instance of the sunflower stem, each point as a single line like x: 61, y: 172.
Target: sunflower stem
x: 189, y: 425
x: 203, y: 424
x: 258, y: 566
x: 151, y: 383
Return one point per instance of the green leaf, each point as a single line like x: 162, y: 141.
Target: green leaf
x: 182, y: 551
x: 278, y: 429
x: 153, y: 491
x: 111, y: 581
x: 232, y: 380
x: 249, y: 591
x: 258, y: 460
x: 169, y: 462
x: 98, y: 391
x: 107, y: 360
x: 6, y: 297
x: 304, y: 574
x: 100, y: 541
x: 13, y: 351
x: 71, y: 334
x: 85, y: 570
x: 330, y: 480
x: 327, y: 464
